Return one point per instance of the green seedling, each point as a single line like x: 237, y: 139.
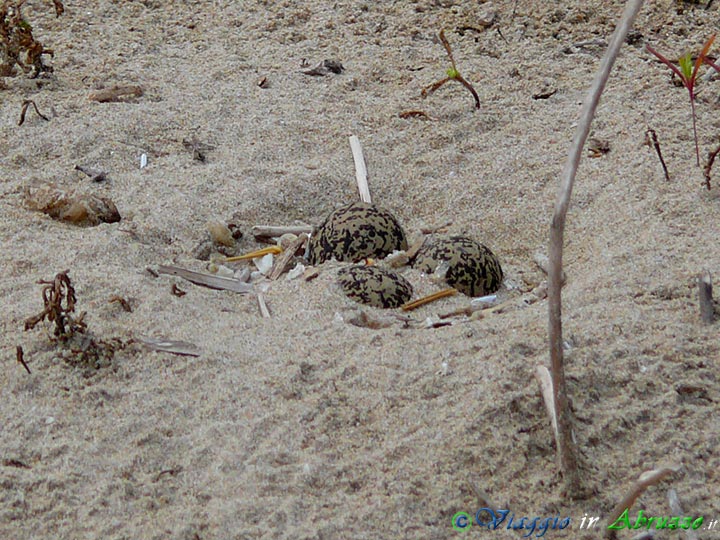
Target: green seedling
x: 452, y: 75
x: 687, y: 72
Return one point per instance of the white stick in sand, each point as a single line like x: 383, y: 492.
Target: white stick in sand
x: 360, y: 169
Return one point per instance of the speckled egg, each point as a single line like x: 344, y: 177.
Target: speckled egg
x: 374, y: 286
x: 472, y: 268
x: 356, y: 232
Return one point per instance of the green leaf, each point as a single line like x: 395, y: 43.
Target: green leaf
x: 453, y: 73
x: 686, y: 65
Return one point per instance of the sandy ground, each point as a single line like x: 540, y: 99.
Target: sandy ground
x: 302, y: 425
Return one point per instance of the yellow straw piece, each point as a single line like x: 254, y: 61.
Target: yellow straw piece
x: 253, y: 254
x: 427, y: 299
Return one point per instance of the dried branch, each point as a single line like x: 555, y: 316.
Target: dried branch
x: 566, y: 451
x: 650, y: 133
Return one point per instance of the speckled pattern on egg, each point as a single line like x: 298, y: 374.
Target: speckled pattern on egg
x: 374, y: 286
x: 473, y: 269
x: 355, y: 232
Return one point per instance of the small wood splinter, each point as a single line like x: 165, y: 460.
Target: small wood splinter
x: 427, y: 299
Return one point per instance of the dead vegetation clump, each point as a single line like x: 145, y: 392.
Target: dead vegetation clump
x: 80, y: 347
x: 81, y: 209
x: 18, y: 46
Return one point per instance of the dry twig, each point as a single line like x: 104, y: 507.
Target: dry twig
x: 24, y: 109
x: 21, y: 358
x: 265, y: 232
x: 708, y: 166
x: 566, y: 450
x: 262, y: 305
x: 652, y: 136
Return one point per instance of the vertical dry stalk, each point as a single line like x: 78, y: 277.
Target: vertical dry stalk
x: 567, y: 453
x: 705, y: 296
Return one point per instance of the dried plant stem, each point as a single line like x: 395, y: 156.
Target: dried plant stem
x: 708, y: 166
x: 705, y: 296
x: 21, y: 358
x: 459, y: 78
x: 261, y: 232
x: 694, y: 120
x: 656, y: 144
x: 24, y: 109
x: 567, y: 452
x: 646, y: 479
x: 264, y: 311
